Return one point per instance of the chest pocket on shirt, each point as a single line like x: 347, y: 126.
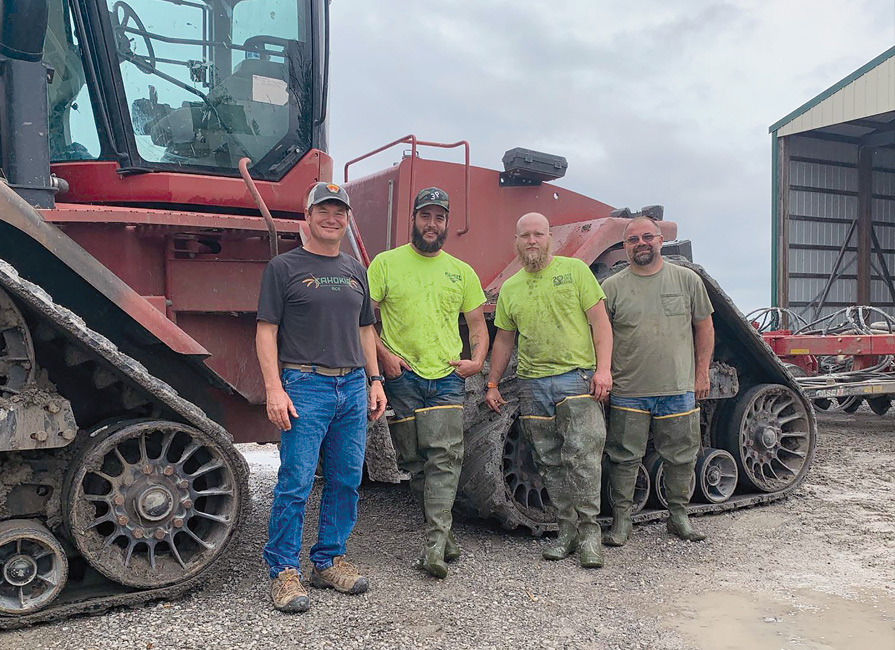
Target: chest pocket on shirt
x: 674, y: 304
x: 451, y: 298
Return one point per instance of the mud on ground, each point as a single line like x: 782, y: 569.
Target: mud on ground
x: 816, y: 571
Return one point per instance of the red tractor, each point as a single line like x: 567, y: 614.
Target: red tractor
x: 131, y: 252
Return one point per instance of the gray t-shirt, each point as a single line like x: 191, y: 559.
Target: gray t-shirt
x: 652, y: 330
x: 318, y: 302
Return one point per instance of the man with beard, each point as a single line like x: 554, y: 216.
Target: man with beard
x: 421, y: 291
x: 663, y: 341
x: 565, y: 348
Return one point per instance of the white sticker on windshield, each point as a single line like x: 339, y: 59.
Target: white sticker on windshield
x: 269, y: 90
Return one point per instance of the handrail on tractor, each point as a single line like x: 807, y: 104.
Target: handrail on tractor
x: 414, y: 143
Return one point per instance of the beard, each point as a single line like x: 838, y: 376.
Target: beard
x: 424, y: 246
x: 644, y: 256
x: 534, y: 260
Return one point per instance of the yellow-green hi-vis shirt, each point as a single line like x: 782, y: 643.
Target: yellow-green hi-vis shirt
x: 420, y: 299
x: 548, y: 309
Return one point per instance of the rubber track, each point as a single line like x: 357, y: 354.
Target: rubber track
x: 41, y: 302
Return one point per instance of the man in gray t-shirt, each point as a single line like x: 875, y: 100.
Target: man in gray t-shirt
x: 663, y: 340
x: 315, y: 320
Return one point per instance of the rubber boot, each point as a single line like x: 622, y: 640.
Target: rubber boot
x: 622, y: 482
x: 625, y: 446
x: 590, y: 548
x: 677, y: 440
x: 581, y: 427
x: 540, y: 434
x: 451, y: 548
x: 564, y: 544
x: 440, y: 437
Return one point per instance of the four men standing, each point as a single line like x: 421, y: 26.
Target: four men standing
x: 421, y: 291
x: 315, y: 320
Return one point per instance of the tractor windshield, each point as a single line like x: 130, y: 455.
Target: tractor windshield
x: 208, y: 82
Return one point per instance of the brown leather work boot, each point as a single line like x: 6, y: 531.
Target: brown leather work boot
x: 287, y: 592
x: 341, y: 576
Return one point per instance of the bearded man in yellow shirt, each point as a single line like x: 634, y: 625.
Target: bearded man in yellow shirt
x: 565, y: 350
x: 421, y: 291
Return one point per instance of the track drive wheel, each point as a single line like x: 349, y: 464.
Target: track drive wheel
x: 499, y: 479
x: 153, y: 503
x: 655, y: 466
x: 16, y: 348
x: 33, y: 567
x: 716, y: 475
x: 771, y: 434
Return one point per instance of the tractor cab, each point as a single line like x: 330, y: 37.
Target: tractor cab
x: 186, y: 85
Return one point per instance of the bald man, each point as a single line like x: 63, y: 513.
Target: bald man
x: 663, y: 342
x: 565, y: 348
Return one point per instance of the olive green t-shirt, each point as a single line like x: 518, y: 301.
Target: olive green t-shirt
x: 652, y: 330
x: 548, y: 309
x: 420, y: 299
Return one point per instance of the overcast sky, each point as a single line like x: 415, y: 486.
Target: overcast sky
x: 653, y: 101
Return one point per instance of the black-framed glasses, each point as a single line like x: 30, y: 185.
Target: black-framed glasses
x: 646, y: 237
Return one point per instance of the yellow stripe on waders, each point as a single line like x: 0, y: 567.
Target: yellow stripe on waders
x: 433, y: 408
x: 627, y: 408
x: 675, y: 415
x: 566, y: 399
x: 412, y: 417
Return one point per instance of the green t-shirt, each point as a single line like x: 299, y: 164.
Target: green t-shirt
x: 420, y: 299
x: 548, y: 309
x: 652, y: 330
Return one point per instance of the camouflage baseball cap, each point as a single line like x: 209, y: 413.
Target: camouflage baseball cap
x: 431, y: 196
x: 321, y: 192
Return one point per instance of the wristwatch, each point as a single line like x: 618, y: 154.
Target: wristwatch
x: 373, y: 378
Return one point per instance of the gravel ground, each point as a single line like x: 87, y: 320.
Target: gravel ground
x: 814, y: 571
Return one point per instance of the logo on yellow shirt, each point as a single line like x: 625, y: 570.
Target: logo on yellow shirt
x: 453, y: 277
x: 562, y: 279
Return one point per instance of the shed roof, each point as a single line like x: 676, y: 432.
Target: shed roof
x: 869, y: 90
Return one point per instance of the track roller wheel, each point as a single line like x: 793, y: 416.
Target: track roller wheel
x: 850, y: 404
x: 879, y: 405
x: 771, y: 435
x: 153, y: 503
x: 33, y: 567
x: 16, y: 348
x: 655, y: 466
x: 641, y: 490
x: 716, y: 475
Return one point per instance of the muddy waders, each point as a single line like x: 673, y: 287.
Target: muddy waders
x: 429, y: 446
x: 677, y: 440
x: 567, y: 448
x: 625, y: 446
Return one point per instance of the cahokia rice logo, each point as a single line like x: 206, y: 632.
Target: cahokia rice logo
x: 335, y: 282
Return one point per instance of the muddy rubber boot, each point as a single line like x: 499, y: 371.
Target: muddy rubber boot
x: 625, y: 446
x: 564, y: 544
x: 407, y: 453
x: 440, y: 436
x: 677, y: 440
x: 451, y: 548
x: 622, y: 482
x: 540, y: 434
x: 590, y: 548
x: 581, y: 427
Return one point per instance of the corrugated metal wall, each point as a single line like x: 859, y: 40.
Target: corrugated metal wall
x: 822, y: 206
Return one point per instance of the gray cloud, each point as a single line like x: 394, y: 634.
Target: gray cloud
x: 651, y: 102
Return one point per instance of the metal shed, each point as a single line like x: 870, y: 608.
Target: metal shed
x: 833, y: 204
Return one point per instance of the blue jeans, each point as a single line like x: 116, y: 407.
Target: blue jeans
x: 408, y: 392
x: 657, y: 406
x: 332, y: 416
x: 540, y: 396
